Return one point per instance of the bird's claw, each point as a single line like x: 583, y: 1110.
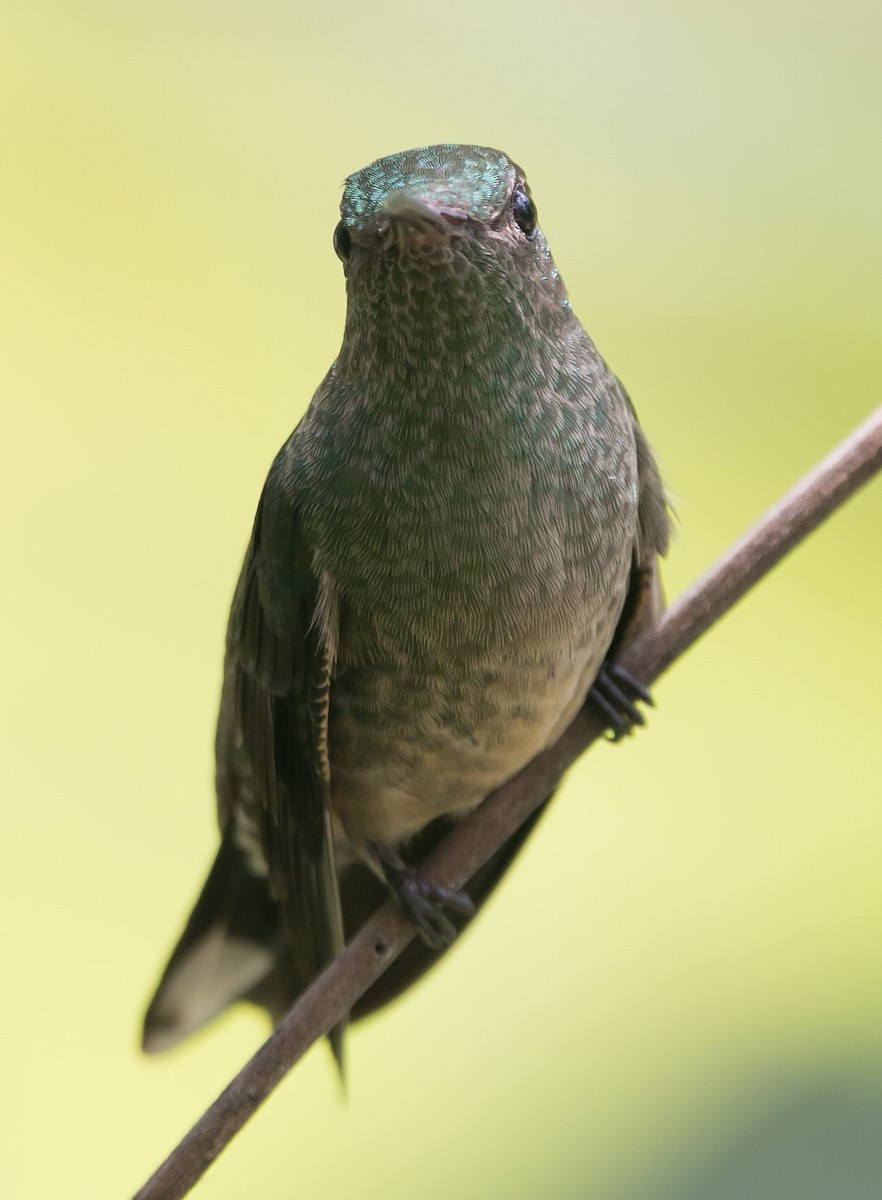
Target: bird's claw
x: 424, y: 902
x: 614, y: 694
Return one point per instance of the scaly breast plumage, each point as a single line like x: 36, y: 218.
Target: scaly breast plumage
x: 429, y: 717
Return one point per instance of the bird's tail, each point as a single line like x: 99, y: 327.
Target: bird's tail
x: 230, y: 950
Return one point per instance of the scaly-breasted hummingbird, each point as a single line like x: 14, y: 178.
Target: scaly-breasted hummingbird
x: 463, y: 524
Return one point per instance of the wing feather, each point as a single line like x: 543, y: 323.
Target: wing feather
x: 275, y: 745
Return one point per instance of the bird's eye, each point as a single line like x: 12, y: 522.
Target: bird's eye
x: 342, y: 242
x: 524, y: 212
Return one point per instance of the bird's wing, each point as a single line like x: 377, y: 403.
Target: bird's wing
x: 653, y: 509
x: 278, y: 677
x: 268, y: 918
x: 645, y: 598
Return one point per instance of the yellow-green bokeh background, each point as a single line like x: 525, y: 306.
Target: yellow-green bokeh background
x: 678, y: 993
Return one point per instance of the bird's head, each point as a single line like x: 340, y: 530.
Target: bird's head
x: 437, y: 239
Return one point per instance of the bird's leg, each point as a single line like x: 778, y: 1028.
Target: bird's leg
x: 614, y: 694
x: 420, y: 898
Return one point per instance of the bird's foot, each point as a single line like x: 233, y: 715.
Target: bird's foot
x: 614, y: 694
x: 423, y: 900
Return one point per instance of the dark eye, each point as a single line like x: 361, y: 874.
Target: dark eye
x: 342, y: 242
x: 524, y: 212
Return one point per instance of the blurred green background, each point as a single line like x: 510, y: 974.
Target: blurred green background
x: 678, y: 993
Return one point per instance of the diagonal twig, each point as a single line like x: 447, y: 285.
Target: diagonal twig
x: 327, y: 1001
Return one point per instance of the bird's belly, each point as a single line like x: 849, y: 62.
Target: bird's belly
x: 405, y: 749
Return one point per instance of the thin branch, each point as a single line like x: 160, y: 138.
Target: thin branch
x: 476, y: 839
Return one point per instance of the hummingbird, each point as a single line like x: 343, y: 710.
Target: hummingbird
x: 448, y: 554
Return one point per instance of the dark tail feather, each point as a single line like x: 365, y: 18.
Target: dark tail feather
x: 229, y: 948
